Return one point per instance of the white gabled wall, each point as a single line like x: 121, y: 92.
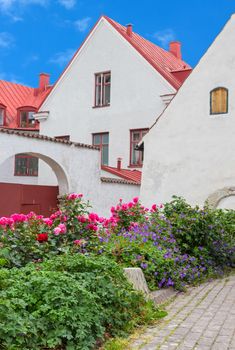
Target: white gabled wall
x: 135, y: 94
x: 189, y: 152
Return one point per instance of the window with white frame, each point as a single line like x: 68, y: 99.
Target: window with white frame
x: 136, y: 156
x: 102, y: 89
x: 26, y: 118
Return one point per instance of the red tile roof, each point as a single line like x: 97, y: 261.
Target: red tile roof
x: 118, y: 181
x: 173, y: 69
x: 131, y: 175
x: 14, y: 96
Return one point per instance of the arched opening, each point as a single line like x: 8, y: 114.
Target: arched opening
x: 223, y: 198
x: 227, y: 202
x: 31, y: 181
x: 219, y: 101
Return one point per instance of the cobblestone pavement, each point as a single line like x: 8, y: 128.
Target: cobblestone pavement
x: 202, y: 319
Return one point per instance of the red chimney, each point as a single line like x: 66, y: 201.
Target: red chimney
x: 175, y: 49
x: 44, y: 81
x: 119, y: 163
x: 129, y: 30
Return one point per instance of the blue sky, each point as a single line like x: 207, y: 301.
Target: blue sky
x: 41, y: 35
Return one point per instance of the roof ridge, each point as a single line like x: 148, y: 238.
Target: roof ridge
x: 149, y: 55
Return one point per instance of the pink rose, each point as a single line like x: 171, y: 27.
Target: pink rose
x: 81, y: 219
x: 57, y: 231
x: 93, y: 217
x: 62, y: 228
x: 135, y: 200
x: 154, y: 207
x: 48, y: 222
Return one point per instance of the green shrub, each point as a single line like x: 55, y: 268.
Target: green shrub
x: 201, y: 231
x: 69, y: 302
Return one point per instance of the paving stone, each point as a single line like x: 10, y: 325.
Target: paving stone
x: 219, y: 346
x: 201, y: 319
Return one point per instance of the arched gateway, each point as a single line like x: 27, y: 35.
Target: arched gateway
x: 75, y: 165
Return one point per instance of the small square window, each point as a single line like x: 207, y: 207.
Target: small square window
x: 26, y: 119
x: 26, y: 165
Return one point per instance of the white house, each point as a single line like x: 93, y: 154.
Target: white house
x: 108, y: 96
x: 111, y: 92
x: 190, y: 150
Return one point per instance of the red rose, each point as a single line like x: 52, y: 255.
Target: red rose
x: 42, y: 237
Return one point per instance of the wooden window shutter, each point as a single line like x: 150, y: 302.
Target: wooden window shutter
x: 219, y: 101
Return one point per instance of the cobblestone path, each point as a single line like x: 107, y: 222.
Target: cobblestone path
x: 202, y: 319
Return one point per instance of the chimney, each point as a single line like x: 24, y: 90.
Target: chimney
x: 129, y: 30
x: 175, y: 49
x: 44, y: 81
x: 119, y: 163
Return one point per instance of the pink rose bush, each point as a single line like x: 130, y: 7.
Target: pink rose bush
x: 33, y: 237
x: 167, y: 241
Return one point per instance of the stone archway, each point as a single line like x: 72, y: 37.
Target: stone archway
x: 222, y: 197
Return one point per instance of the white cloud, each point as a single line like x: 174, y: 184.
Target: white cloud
x: 82, y: 24
x: 6, y: 4
x: 62, y: 58
x: 6, y: 40
x: 68, y: 4
x: 14, y: 8
x: 164, y: 37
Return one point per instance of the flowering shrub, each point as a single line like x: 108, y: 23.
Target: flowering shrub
x: 199, y: 230
x: 152, y: 247
x: 174, y: 244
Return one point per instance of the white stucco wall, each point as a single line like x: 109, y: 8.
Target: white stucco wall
x: 76, y: 168
x: 190, y: 152
x: 135, y: 94
x: 112, y: 192
x: 45, y: 175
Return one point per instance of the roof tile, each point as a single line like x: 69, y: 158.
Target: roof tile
x: 131, y: 175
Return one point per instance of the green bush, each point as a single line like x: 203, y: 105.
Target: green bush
x: 69, y: 302
x: 203, y: 230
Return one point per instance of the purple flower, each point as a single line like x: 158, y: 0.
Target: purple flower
x: 144, y: 265
x: 170, y: 282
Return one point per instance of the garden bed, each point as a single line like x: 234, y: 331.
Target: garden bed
x: 62, y: 282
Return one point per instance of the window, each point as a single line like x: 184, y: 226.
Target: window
x: 102, y: 141
x: 136, y: 157
x: 2, y: 113
x: 102, y: 89
x: 219, y: 101
x: 26, y: 165
x: 26, y: 119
